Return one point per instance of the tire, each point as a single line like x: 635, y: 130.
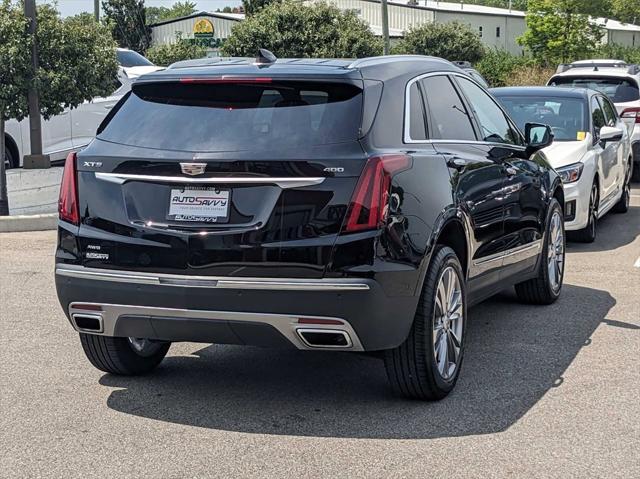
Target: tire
x: 413, y: 368
x: 545, y: 288
x: 622, y: 206
x: 588, y: 234
x: 118, y: 355
x: 9, y: 160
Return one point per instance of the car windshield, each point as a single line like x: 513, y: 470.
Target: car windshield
x: 619, y: 90
x: 129, y: 58
x: 565, y: 116
x: 234, y: 116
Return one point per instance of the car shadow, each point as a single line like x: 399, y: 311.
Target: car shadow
x: 515, y: 354
x: 614, y: 230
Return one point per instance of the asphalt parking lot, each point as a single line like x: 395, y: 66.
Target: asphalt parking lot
x: 544, y: 392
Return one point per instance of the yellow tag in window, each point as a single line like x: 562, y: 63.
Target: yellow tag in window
x: 582, y: 135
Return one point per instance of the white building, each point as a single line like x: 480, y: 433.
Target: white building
x: 497, y: 27
x: 208, y: 28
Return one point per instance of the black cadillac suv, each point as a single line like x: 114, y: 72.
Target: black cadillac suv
x: 314, y: 204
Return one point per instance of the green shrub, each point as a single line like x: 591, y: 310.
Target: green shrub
x: 453, y: 41
x: 182, y: 49
x: 497, y: 66
x: 291, y: 29
x: 619, y: 52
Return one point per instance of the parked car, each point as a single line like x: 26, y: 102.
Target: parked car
x: 74, y: 128
x: 615, y: 79
x: 472, y: 72
x: 299, y: 204
x: 591, y: 150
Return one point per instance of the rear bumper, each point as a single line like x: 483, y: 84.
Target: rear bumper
x: 270, y: 312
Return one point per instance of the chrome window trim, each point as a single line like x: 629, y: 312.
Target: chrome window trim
x: 282, y: 182
x: 406, y: 131
x: 214, y: 282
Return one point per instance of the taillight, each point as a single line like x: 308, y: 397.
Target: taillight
x: 631, y: 114
x: 368, y: 207
x: 68, y: 200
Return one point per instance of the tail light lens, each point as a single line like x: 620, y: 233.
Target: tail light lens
x: 369, y: 204
x: 631, y: 113
x: 68, y: 200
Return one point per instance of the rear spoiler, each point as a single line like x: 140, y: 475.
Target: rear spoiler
x: 631, y: 69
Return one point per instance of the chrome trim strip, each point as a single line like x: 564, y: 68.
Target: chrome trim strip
x: 286, y: 324
x: 282, y: 182
x: 215, y: 282
x: 535, y: 245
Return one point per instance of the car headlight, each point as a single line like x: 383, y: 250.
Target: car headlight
x: 571, y: 173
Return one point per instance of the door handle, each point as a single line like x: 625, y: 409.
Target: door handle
x: 457, y: 163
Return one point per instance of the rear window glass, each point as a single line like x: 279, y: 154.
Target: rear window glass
x: 236, y: 116
x: 129, y: 58
x: 620, y: 90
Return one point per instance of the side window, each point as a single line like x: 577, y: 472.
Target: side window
x: 417, y: 128
x: 493, y: 122
x: 610, y: 116
x: 597, y: 116
x: 449, y: 117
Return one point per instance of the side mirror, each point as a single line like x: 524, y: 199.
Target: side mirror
x: 538, y: 136
x: 610, y: 133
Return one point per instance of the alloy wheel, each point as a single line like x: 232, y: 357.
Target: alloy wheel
x: 593, y: 212
x: 555, y: 253
x: 627, y: 189
x: 448, y: 323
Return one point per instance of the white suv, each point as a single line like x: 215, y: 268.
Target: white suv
x: 74, y: 128
x: 616, y: 79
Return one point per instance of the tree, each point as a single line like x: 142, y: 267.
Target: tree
x: 15, y: 48
x: 127, y: 21
x: 254, y: 6
x: 627, y: 11
x: 179, y: 9
x: 77, y: 62
x: 556, y: 33
x: 182, y: 49
x: 292, y: 29
x: 452, y: 41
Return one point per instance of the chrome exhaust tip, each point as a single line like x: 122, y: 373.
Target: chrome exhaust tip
x: 88, y: 323
x: 325, y: 338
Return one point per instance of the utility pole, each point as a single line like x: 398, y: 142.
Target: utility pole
x: 36, y: 159
x: 96, y: 10
x: 385, y: 27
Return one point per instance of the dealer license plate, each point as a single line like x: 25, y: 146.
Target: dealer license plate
x: 199, y: 204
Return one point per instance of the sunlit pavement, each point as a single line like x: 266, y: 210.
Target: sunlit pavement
x: 545, y: 391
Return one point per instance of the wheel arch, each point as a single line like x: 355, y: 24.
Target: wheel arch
x: 454, y: 235
x: 12, y: 146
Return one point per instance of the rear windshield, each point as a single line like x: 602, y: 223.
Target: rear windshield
x: 236, y: 116
x: 129, y: 58
x: 619, y: 90
x: 567, y: 117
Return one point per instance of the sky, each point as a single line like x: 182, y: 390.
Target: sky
x: 72, y: 7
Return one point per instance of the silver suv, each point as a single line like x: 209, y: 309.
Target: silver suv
x: 617, y: 80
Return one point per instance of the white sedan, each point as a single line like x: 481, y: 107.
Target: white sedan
x: 591, y: 149
x: 74, y: 128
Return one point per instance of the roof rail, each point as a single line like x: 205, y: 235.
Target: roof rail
x: 595, y: 65
x: 633, y: 69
